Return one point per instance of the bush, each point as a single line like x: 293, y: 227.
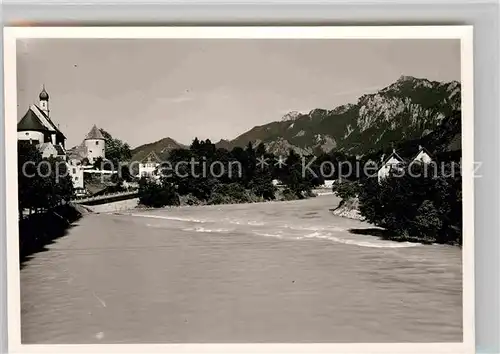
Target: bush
x: 189, y: 200
x: 262, y: 186
x: 288, y: 194
x: 346, y: 189
x: 231, y: 193
x: 427, y: 221
x: 157, y: 194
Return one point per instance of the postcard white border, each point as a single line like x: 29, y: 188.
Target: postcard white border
x: 464, y: 33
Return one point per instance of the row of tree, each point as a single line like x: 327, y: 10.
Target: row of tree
x: 239, y: 175
x: 43, y: 184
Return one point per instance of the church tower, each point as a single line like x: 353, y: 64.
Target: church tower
x: 44, y: 101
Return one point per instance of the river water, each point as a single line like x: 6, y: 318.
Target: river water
x: 268, y: 272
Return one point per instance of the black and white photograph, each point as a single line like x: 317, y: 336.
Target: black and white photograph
x: 241, y: 190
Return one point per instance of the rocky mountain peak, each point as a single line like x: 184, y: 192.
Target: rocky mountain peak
x: 291, y: 116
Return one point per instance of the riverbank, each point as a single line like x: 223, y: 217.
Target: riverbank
x: 235, y: 197
x: 349, y: 208
x: 36, y: 231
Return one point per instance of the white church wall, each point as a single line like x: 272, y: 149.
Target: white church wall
x: 30, y: 135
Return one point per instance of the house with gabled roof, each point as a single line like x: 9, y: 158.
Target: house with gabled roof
x: 392, y: 163
x: 395, y: 162
x: 149, y: 164
x: 422, y: 156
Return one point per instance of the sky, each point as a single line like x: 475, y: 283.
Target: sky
x: 141, y: 91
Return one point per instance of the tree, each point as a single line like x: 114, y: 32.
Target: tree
x: 43, y: 183
x: 262, y: 185
x: 294, y: 176
x: 116, y: 150
x: 346, y: 189
x: 98, y: 163
x: 157, y: 194
x: 426, y: 207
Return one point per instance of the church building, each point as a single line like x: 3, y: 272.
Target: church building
x: 36, y: 127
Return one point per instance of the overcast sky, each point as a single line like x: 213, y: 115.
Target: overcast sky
x: 144, y: 90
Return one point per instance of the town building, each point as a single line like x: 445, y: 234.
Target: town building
x: 95, y: 145
x: 396, y: 163
x: 148, y: 165
x: 76, y: 172
x: 36, y: 127
x: 422, y: 156
x: 393, y: 163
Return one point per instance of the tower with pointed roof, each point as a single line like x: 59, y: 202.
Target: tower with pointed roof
x: 95, y: 144
x: 36, y: 126
x: 44, y: 101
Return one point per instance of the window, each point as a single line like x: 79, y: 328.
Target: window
x: 27, y: 133
x: 90, y: 151
x: 76, y: 178
x: 97, y: 143
x: 74, y: 171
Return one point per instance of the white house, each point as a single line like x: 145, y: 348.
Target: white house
x: 393, y: 163
x: 422, y: 156
x: 75, y: 170
x: 148, y: 165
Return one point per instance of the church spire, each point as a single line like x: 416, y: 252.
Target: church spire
x: 44, y: 96
x: 44, y: 101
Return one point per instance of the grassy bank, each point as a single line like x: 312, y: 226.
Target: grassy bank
x: 159, y: 194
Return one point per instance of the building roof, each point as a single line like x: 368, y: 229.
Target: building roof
x: 78, y: 152
x: 58, y: 148
x: 420, y: 149
x: 94, y: 133
x: 36, y: 119
x: 43, y: 95
x: 49, y: 123
x: 395, y: 155
x: 152, y: 157
x: 30, y: 121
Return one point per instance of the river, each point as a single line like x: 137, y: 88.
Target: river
x: 269, y: 272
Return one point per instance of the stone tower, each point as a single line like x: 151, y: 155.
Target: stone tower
x: 95, y: 144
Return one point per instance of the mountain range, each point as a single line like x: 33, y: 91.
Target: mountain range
x: 409, y: 109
